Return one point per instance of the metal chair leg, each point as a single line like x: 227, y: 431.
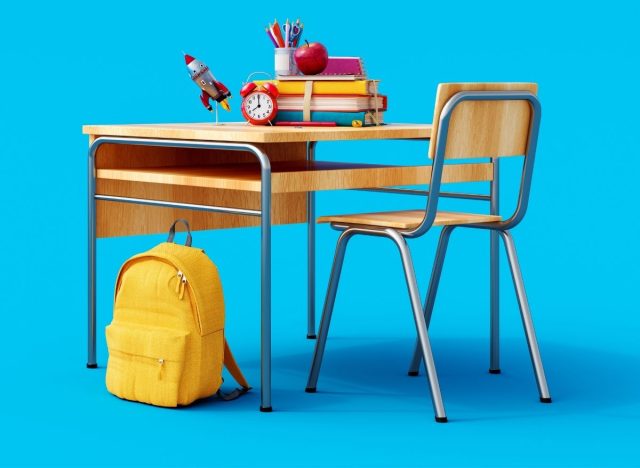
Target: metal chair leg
x: 329, y: 301
x: 421, y: 325
x: 436, y: 272
x: 525, y: 313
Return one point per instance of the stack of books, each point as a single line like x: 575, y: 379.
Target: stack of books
x: 341, y: 94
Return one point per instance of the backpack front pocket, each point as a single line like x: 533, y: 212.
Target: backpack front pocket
x: 145, y: 363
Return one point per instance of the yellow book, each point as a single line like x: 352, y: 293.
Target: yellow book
x: 360, y: 87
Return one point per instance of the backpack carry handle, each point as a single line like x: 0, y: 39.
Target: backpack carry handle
x: 172, y: 231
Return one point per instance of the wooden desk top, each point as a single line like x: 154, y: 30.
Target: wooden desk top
x: 245, y: 133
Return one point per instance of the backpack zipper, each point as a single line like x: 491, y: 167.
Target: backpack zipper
x: 161, y: 362
x: 140, y: 357
x: 180, y: 285
x: 164, y: 258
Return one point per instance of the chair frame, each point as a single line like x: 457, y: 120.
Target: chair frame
x: 422, y: 315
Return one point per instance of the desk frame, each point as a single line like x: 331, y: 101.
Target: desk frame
x: 265, y: 235
x: 265, y: 239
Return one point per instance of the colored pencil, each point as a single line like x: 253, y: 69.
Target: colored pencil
x: 275, y: 43
x: 277, y: 34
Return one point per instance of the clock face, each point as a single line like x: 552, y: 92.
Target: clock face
x: 259, y: 106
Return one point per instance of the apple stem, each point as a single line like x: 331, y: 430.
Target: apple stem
x: 307, y: 42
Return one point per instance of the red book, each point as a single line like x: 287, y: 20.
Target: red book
x: 343, y: 66
x: 306, y: 124
x: 338, y: 69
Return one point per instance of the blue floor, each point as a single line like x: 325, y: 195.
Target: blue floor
x: 367, y: 411
x: 120, y: 62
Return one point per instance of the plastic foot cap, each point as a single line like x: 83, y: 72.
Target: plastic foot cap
x: 266, y: 409
x: 413, y: 373
x: 92, y: 366
x: 495, y: 371
x: 311, y: 336
x: 441, y: 419
x: 310, y: 389
x: 545, y: 400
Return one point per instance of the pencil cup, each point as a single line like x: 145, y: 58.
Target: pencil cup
x: 284, y: 63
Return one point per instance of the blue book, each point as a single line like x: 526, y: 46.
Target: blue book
x: 343, y: 119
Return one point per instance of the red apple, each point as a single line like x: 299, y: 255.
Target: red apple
x: 311, y: 59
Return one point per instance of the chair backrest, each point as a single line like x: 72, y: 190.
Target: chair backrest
x: 481, y: 129
x: 483, y: 120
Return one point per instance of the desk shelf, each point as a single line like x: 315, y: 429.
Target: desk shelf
x: 286, y: 176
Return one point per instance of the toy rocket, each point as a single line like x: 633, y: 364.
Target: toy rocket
x: 211, y: 89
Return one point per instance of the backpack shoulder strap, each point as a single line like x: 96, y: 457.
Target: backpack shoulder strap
x: 232, y: 366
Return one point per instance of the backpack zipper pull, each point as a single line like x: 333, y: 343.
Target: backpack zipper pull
x: 183, y: 282
x: 161, y: 362
x: 179, y: 282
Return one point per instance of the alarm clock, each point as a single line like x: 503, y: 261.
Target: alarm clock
x: 259, y: 104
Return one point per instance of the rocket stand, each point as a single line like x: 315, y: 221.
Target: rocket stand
x: 216, y: 123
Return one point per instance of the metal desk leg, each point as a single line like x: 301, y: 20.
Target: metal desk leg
x: 91, y: 263
x: 265, y: 327
x: 311, y: 253
x: 494, y: 278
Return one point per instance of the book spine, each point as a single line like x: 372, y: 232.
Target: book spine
x: 359, y: 87
x: 343, y: 119
x: 318, y: 101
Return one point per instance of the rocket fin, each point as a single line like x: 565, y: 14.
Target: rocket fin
x: 222, y: 88
x: 204, y: 98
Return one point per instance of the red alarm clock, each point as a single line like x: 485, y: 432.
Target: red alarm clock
x: 259, y: 104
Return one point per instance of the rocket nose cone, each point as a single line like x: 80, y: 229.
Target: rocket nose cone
x: 188, y: 59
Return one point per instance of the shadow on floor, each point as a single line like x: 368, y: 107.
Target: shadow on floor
x: 370, y: 375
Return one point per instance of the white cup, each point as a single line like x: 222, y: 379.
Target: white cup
x: 284, y: 62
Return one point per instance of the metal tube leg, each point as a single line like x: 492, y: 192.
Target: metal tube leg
x: 311, y: 253
x: 265, y: 327
x: 494, y: 279
x: 327, y: 310
x: 421, y: 325
x: 525, y: 313
x: 311, y: 266
x: 91, y: 264
x: 436, y: 273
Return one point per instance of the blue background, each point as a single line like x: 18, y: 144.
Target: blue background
x: 67, y: 64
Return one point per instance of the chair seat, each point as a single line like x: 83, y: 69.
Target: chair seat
x: 408, y: 219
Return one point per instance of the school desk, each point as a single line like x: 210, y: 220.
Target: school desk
x: 143, y: 177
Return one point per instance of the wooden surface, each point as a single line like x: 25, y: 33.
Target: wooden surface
x: 120, y: 156
x: 407, y: 219
x: 484, y: 129
x: 121, y: 219
x: 124, y: 219
x: 294, y: 176
x: 245, y: 133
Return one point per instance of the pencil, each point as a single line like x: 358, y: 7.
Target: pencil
x: 277, y: 34
x: 271, y: 37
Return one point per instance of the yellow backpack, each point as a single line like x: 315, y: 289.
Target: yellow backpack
x: 166, y: 341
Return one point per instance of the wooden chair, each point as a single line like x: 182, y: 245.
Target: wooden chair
x: 471, y: 120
